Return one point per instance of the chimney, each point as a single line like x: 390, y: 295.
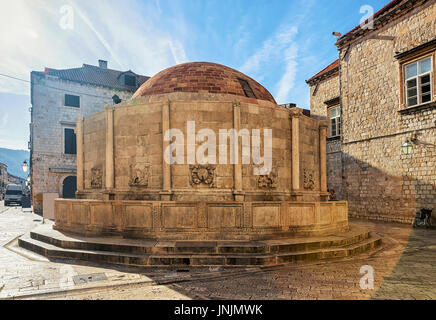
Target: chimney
x: 102, y: 64
x: 289, y: 105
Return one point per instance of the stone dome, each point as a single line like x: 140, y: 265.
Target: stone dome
x: 203, y: 77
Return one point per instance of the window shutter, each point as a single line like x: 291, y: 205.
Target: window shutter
x: 72, y: 101
x: 70, y: 141
x: 130, y: 80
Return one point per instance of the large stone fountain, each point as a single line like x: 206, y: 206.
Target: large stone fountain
x: 127, y: 186
x: 202, y: 168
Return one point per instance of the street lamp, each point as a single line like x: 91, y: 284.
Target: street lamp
x: 27, y: 182
x: 406, y: 148
x: 25, y: 166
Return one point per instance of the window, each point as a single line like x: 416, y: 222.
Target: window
x: 130, y: 80
x: 72, y: 101
x: 69, y: 141
x: 418, y: 81
x: 335, y: 121
x: 247, y: 89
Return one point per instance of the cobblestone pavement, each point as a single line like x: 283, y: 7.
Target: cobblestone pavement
x: 23, y: 273
x: 404, y: 268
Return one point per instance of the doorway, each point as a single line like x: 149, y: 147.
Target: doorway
x: 69, y: 187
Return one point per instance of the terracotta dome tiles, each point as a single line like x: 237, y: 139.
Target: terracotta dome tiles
x: 203, y: 77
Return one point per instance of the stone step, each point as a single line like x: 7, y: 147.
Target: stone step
x: 120, y: 258
x: 142, y: 247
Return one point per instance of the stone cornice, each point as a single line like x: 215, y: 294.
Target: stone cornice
x: 333, y: 102
x: 62, y: 170
x: 379, y: 22
x: 428, y: 46
x: 295, y: 112
x: 418, y: 108
x: 323, y: 123
x: 326, y: 75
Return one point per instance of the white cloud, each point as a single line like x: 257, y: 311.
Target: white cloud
x: 16, y: 144
x: 4, y: 120
x: 99, y: 36
x: 116, y: 31
x: 177, y: 51
x: 271, y: 49
x: 277, y: 50
x: 287, y: 81
x: 158, y: 6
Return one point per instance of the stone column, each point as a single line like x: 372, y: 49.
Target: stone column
x: 165, y: 194
x: 295, y: 115
x: 323, y: 158
x: 237, y: 168
x: 79, y: 156
x: 110, y: 167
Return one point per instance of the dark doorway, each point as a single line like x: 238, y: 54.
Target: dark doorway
x: 69, y: 187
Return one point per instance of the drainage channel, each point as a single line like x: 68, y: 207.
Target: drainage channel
x: 81, y: 279
x: 13, y: 247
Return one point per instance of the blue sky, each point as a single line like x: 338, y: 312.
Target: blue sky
x: 280, y: 43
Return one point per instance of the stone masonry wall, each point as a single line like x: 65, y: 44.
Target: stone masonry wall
x: 94, y: 146
x: 50, y: 117
x: 309, y: 154
x: 381, y: 182
x: 138, y: 143
x: 327, y: 89
x: 3, y: 179
x: 334, y: 167
x: 370, y: 77
x: 138, y: 149
x: 366, y: 166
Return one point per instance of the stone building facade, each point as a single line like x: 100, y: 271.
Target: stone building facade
x: 383, y: 157
x: 16, y: 180
x: 3, y: 179
x: 324, y: 95
x: 58, y: 98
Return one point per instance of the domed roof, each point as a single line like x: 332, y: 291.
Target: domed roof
x: 203, y: 77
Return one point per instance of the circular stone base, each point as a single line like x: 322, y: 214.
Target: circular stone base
x: 114, y: 250
x: 171, y: 220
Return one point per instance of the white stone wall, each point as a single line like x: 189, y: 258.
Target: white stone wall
x: 3, y: 178
x: 50, y: 117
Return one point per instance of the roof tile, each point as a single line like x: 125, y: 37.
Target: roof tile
x: 95, y: 76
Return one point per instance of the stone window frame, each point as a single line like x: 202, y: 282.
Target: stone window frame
x: 65, y: 126
x: 418, y: 81
x: 338, y: 121
x: 69, y: 94
x: 414, y: 56
x: 122, y: 79
x: 129, y: 77
x: 334, y: 103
